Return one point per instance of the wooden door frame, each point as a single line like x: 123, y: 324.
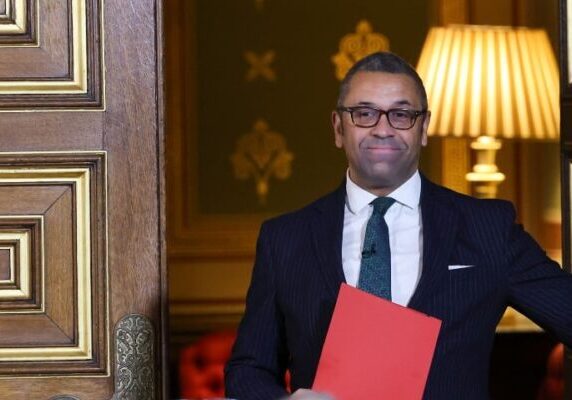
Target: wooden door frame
x: 566, y: 156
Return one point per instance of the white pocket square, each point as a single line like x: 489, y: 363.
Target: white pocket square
x: 453, y: 267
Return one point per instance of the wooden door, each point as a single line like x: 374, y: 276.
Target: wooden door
x: 82, y: 268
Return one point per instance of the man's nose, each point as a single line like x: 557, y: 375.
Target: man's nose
x: 382, y: 128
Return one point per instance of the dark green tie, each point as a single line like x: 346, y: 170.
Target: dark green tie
x: 375, y: 270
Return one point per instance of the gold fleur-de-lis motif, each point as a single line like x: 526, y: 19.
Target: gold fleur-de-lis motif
x: 260, y: 65
x: 355, y: 46
x: 261, y: 154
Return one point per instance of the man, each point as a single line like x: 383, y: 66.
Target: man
x: 453, y: 257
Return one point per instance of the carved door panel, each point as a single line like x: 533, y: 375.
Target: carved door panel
x: 82, y: 288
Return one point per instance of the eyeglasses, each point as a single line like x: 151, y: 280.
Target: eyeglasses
x: 398, y: 118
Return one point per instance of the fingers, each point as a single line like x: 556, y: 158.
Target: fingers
x: 305, y: 394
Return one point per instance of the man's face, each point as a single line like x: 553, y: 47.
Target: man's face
x: 381, y: 158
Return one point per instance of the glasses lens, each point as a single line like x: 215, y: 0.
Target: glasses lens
x: 401, y: 119
x: 365, y: 116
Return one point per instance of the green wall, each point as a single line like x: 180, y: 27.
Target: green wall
x: 304, y: 36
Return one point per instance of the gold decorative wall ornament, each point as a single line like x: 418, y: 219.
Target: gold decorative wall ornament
x: 355, y: 46
x: 261, y: 154
x: 134, y: 359
x: 260, y: 65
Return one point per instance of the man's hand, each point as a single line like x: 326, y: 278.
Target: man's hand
x: 305, y: 394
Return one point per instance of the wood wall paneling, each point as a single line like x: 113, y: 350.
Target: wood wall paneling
x: 214, y: 218
x: 202, y: 248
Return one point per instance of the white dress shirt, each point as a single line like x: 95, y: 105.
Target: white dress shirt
x: 405, y: 235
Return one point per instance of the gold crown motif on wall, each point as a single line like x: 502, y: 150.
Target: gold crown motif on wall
x: 261, y: 154
x: 355, y: 46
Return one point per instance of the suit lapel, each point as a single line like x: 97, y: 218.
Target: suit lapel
x: 326, y: 228
x: 440, y: 222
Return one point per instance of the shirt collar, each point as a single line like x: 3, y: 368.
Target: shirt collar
x: 407, y: 194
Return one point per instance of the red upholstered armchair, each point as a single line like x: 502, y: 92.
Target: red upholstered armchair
x: 201, y: 366
x: 552, y: 387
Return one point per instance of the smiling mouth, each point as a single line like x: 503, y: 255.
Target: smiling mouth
x: 382, y: 149
x: 383, y: 153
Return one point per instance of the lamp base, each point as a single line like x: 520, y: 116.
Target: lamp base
x: 485, y: 174
x: 485, y: 185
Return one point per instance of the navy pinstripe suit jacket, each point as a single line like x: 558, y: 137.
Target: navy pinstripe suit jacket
x: 298, y: 272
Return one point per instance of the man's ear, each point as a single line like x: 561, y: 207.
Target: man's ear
x: 338, y: 129
x: 425, y: 127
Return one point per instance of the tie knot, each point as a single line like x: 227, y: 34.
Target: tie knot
x: 382, y: 204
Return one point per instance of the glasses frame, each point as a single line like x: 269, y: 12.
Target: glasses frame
x: 351, y: 110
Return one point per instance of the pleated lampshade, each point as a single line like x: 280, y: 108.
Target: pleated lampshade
x: 491, y: 80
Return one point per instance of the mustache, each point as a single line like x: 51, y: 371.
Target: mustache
x: 387, y: 142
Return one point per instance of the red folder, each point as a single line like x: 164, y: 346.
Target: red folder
x: 375, y: 349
